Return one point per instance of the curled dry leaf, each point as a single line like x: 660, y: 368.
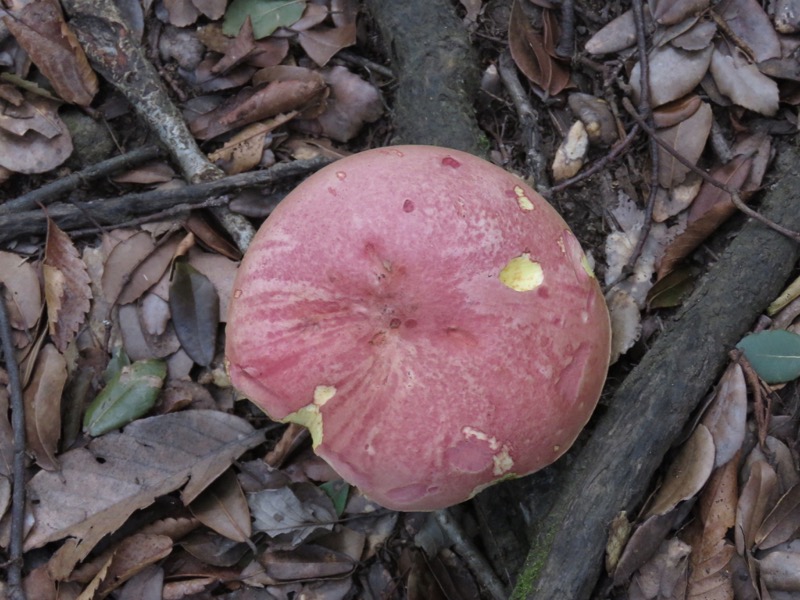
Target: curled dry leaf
x: 223, y: 508
x: 322, y: 43
x: 66, y: 287
x: 688, y: 472
x: 673, y: 73
x: 677, y: 111
x: 151, y: 457
x: 23, y: 291
x: 758, y: 496
x: 530, y: 51
x: 571, y: 153
x: 129, y: 557
x: 688, y: 138
x: 52, y: 46
x: 43, y: 406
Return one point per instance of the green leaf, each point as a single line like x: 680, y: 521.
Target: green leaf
x: 194, y: 303
x: 118, y: 360
x: 672, y: 289
x: 337, y: 490
x: 127, y: 396
x: 775, y: 355
x: 265, y: 15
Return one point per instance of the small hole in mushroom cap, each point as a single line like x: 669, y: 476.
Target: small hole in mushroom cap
x: 395, y: 323
x: 408, y: 205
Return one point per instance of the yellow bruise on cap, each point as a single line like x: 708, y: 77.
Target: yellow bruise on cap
x: 310, y: 416
x: 501, y: 459
x: 522, y: 199
x: 587, y: 266
x: 521, y: 274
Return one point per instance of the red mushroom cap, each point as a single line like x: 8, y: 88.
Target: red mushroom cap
x: 428, y: 316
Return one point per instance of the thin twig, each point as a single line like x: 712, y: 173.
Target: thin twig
x: 476, y: 562
x: 566, y: 41
x: 735, y: 197
x: 14, y: 573
x: 52, y: 191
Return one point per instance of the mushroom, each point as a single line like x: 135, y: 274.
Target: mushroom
x: 429, y: 317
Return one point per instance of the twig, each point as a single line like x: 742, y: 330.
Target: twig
x: 475, y: 560
x: 529, y: 119
x: 647, y: 115
x: 365, y: 63
x: 14, y: 573
x: 566, y: 41
x: 735, y: 198
x: 762, y: 409
x: 50, y: 192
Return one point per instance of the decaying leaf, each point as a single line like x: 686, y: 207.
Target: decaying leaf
x: 747, y: 19
x: 726, y: 416
x: 688, y: 138
x: 41, y: 30
x: 757, y: 497
x: 782, y: 522
x: 688, y: 472
x: 618, y: 34
x: 66, y: 287
x: 571, y: 152
x: 223, y: 508
x: 669, y: 12
x: 743, y: 83
x: 665, y: 575
x: 780, y: 570
x: 43, y: 406
x: 530, y: 52
x: 673, y: 73
x: 265, y: 15
x: 131, y: 556
x: 194, y: 303
x: 321, y: 43
x: 130, y: 394
x: 292, y: 513
x: 309, y: 561
x: 23, y: 291
x: 34, y: 151
x: 151, y: 457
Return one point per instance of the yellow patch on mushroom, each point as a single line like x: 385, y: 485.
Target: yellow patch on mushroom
x: 503, y: 462
x: 310, y: 418
x: 521, y: 274
x: 323, y: 393
x: 523, y: 200
x: 587, y: 266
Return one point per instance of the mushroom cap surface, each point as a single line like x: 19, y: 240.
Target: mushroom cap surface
x: 428, y: 316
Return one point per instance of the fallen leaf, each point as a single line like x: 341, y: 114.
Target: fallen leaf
x: 774, y: 355
x: 146, y: 585
x: 307, y: 562
x: 322, y: 43
x: 293, y: 513
x: 780, y: 570
x: 52, y: 46
x: 194, y: 303
x: 130, y: 394
x: 128, y: 470
x: 223, y: 508
x: 696, y: 38
x: 669, y: 12
x: 618, y: 34
x: 688, y: 138
x: 673, y: 289
x: 528, y: 50
x: 43, y: 406
x: 66, y: 287
x: 677, y: 111
x: 747, y: 19
x: 688, y: 472
x: 732, y: 175
x: 757, y: 497
x: 726, y: 416
x: 596, y: 116
x: 129, y: 557
x: 23, y: 291
x: 743, y: 83
x: 35, y: 152
x: 626, y: 323
x: 221, y: 271
x: 265, y: 15
x: 148, y: 272
x: 673, y: 73
x: 125, y: 257
x: 571, y: 153
x: 665, y: 575
x: 782, y: 522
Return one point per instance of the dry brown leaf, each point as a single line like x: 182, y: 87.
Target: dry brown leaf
x: 6, y: 432
x: 529, y: 51
x: 223, y: 508
x: 128, y: 470
x: 35, y: 152
x: 626, y: 323
x: 697, y: 37
x: 669, y: 12
x: 128, y: 558
x: 726, y: 416
x: 688, y: 138
x: 23, y: 291
x: 757, y: 498
x: 52, y: 46
x: 743, y: 83
x: 150, y: 173
x: 140, y: 344
x: 43, y: 406
x: 145, y: 585
x: 323, y: 42
x: 245, y: 150
x: 181, y: 12
x: 747, y: 19
x: 220, y: 271
x: 617, y: 35
x: 208, y: 235
x: 352, y: 103
x: 733, y: 175
x: 677, y: 111
x: 673, y: 73
x: 663, y: 577
x: 571, y: 153
x: 123, y: 261
x: 66, y: 287
x: 309, y: 561
x: 148, y: 272
x: 688, y: 472
x: 782, y: 522
x: 717, y: 508
x: 243, y: 45
x: 780, y: 570
x: 596, y: 117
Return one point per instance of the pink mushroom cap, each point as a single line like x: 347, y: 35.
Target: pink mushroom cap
x: 428, y: 316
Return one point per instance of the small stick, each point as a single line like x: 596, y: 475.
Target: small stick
x: 15, y: 562
x: 566, y: 41
x: 735, y: 198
